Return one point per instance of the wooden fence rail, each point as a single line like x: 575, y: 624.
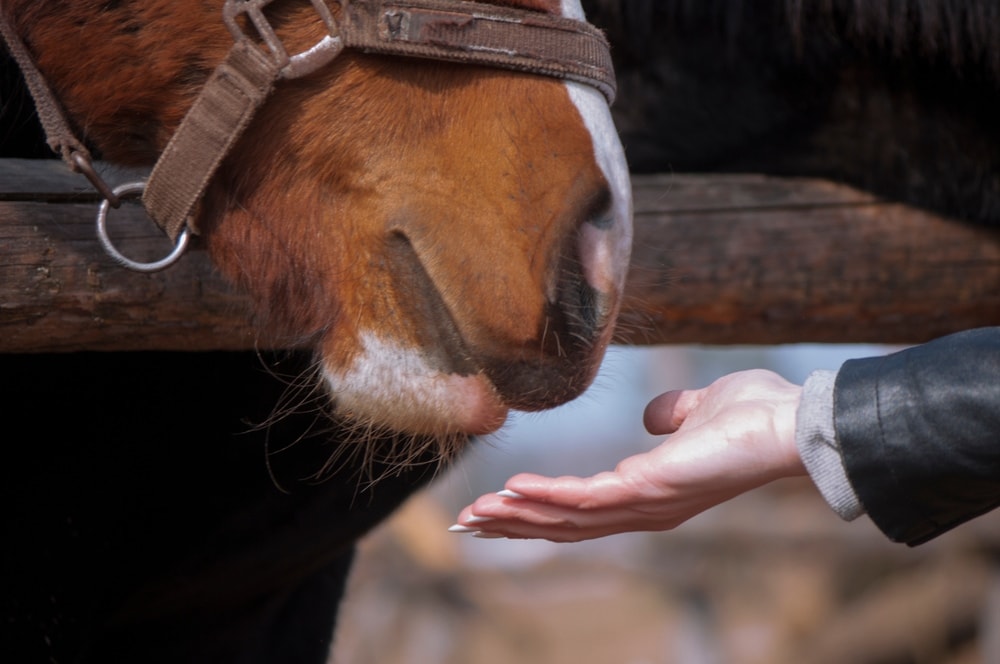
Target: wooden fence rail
x: 717, y: 260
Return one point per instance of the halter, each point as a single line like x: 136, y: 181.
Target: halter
x: 449, y: 30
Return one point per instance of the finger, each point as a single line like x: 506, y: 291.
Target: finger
x: 625, y: 488
x: 561, y: 534
x: 609, y: 489
x: 547, y: 500
x: 529, y: 520
x: 501, y: 506
x: 667, y: 412
x: 567, y: 490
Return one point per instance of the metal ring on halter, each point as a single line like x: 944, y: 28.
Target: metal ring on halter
x: 131, y: 190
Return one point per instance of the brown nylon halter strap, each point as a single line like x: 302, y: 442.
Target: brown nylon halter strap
x: 451, y: 30
x: 488, y: 35
x: 227, y: 103
x: 58, y: 135
x: 50, y: 114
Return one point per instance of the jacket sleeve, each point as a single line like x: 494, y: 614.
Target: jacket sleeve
x: 919, y: 433
x: 819, y: 450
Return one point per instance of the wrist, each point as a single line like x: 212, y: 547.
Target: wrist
x: 816, y: 440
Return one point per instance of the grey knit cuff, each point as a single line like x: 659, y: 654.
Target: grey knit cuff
x: 816, y: 439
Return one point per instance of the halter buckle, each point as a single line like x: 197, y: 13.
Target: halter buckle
x: 290, y: 66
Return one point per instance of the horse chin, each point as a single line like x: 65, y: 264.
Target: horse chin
x: 393, y: 388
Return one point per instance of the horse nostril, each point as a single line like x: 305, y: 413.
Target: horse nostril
x: 580, y: 309
x: 602, y: 261
x: 588, y: 278
x: 604, y: 220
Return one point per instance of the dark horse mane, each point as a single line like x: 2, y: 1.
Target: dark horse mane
x: 898, y: 97
x: 961, y: 33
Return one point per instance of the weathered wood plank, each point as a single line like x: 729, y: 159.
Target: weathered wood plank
x: 58, y: 291
x: 717, y: 260
x: 51, y: 180
x: 746, y: 259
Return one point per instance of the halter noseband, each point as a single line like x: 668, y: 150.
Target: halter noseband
x: 449, y: 30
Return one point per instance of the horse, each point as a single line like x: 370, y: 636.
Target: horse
x: 436, y: 243
x: 898, y: 98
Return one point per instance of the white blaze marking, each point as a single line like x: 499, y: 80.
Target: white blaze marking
x: 593, y: 108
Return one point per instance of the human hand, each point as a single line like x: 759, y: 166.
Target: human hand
x: 732, y: 436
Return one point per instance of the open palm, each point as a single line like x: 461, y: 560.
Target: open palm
x: 732, y: 436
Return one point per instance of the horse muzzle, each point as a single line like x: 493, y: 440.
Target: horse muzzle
x: 472, y: 338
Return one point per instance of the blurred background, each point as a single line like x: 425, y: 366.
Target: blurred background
x: 773, y: 576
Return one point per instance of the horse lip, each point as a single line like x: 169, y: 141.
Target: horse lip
x: 531, y: 385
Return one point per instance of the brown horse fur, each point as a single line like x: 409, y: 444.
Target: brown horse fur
x: 421, y: 225
x: 428, y: 215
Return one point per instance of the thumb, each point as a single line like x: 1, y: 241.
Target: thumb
x: 667, y: 412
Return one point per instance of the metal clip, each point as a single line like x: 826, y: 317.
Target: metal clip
x: 84, y: 166
x: 134, y: 189
x: 291, y: 66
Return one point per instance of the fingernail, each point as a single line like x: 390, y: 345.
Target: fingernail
x: 478, y: 519
x: 459, y: 528
x: 481, y: 535
x: 507, y: 493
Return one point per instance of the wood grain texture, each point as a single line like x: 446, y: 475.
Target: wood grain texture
x: 747, y: 259
x: 716, y: 260
x: 59, y: 291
